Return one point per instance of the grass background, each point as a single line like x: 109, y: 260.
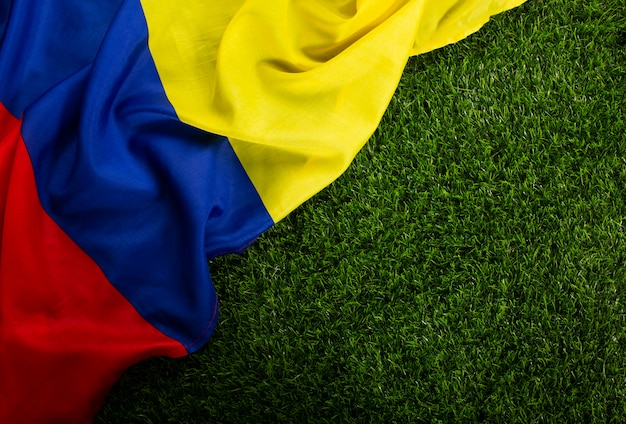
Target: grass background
x: 469, y: 266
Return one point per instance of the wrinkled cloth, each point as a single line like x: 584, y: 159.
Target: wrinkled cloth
x: 140, y: 138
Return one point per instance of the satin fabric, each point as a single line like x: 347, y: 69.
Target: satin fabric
x: 140, y: 138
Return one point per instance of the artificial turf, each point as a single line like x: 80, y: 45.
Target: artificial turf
x: 470, y: 266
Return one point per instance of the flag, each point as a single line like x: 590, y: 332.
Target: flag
x: 139, y: 138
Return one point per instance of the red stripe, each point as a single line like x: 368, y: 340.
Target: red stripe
x: 66, y: 334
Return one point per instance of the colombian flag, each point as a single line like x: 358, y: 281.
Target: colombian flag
x: 139, y: 138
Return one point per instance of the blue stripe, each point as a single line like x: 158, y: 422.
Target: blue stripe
x: 5, y: 10
x: 147, y: 197
x: 45, y: 41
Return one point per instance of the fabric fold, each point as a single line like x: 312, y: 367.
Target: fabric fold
x: 139, y: 138
x: 298, y: 79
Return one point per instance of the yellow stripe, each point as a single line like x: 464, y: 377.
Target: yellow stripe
x: 297, y: 85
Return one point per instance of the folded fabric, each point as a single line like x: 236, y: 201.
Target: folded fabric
x: 139, y: 138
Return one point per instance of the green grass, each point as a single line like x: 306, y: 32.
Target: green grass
x: 469, y: 267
